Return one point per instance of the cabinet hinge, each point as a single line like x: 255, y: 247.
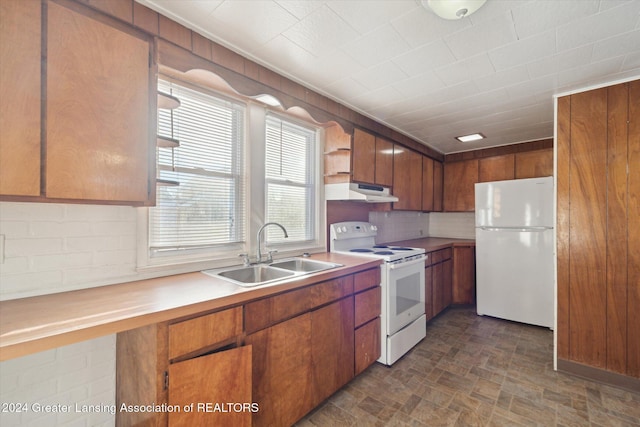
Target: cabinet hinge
x: 166, y: 380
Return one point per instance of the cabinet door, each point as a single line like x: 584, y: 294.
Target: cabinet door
x: 332, y: 348
x: 447, y: 282
x: 464, y: 275
x: 98, y: 144
x: 438, y: 288
x: 534, y: 164
x: 459, y: 181
x: 384, y: 162
x: 282, y: 372
x: 437, y: 186
x: 427, y: 184
x: 364, y: 156
x: 407, y: 179
x: 367, y: 339
x: 496, y: 168
x: 428, y: 292
x: 20, y: 98
x: 215, y: 379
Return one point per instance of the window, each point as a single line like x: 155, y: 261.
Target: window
x: 290, y: 170
x: 206, y: 210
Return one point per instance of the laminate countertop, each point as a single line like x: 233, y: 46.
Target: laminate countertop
x: 34, y: 324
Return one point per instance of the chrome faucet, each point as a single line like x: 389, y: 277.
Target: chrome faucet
x: 259, y: 238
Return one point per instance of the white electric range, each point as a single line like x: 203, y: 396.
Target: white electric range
x: 403, y: 320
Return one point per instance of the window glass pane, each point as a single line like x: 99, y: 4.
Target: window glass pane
x: 289, y: 170
x: 207, y: 207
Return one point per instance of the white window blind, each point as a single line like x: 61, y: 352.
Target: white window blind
x: 290, y: 179
x: 207, y: 208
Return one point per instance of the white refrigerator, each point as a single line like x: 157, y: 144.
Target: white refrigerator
x: 514, y: 250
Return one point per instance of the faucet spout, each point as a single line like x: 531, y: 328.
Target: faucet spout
x: 259, y: 238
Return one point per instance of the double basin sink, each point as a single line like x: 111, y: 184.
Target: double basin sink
x: 261, y: 274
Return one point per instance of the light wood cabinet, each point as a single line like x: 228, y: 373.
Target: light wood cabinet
x: 496, y: 168
x: 464, y: 275
x: 184, y: 362
x: 20, y: 35
x: 598, y: 186
x: 99, y: 109
x: 459, y: 185
x: 534, y: 164
x: 407, y: 179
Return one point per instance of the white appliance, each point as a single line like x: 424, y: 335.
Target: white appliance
x: 403, y: 321
x: 514, y: 250
x: 358, y: 192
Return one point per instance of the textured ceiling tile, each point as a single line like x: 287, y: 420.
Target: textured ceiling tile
x: 300, y: 9
x: 425, y: 57
x: 364, y: 18
x: 591, y: 74
x: 421, y: 26
x: 561, y: 61
x: 539, y: 16
x: 381, y: 75
x: 488, y: 34
x: 376, y: 46
x: 616, y: 46
x: 524, y: 51
x: 424, y: 83
x: 467, y: 69
x: 502, y: 78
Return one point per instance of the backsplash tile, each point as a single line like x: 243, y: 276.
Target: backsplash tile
x: 458, y: 225
x: 399, y: 225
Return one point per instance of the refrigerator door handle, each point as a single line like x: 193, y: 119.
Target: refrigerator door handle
x: 517, y: 229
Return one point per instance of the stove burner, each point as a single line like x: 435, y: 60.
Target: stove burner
x: 399, y: 248
x: 360, y: 250
x: 383, y: 253
x: 380, y: 246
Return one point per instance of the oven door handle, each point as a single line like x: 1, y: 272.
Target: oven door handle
x: 407, y: 264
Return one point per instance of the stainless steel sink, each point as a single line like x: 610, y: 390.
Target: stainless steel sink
x: 303, y: 265
x: 261, y: 274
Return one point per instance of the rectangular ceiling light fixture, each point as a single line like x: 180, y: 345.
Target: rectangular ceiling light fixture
x: 470, y: 138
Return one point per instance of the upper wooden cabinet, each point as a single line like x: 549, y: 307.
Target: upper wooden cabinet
x: 99, y: 109
x: 438, y: 186
x: 372, y: 159
x: 20, y: 24
x: 534, y: 164
x: 459, y: 185
x: 427, y: 184
x: 407, y: 179
x: 496, y: 168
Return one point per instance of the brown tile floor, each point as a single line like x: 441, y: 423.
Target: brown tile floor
x: 476, y: 371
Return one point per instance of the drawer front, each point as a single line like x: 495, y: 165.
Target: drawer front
x: 268, y: 311
x: 194, y: 334
x: 367, y: 305
x: 366, y: 279
x: 441, y: 255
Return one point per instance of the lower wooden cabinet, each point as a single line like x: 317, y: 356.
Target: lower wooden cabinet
x: 217, y: 388
x: 464, y: 275
x: 278, y: 357
x: 441, y: 280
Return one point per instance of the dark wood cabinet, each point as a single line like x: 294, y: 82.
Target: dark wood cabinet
x: 459, y: 185
x: 428, y: 192
x: 372, y: 159
x: 407, y: 179
x: 367, y: 303
x: 384, y: 162
x: 534, y: 164
x: 441, y: 279
x: 496, y: 168
x: 438, y: 186
x: 597, y: 230
x: 464, y: 275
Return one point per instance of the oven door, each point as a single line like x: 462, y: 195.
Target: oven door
x: 405, y: 293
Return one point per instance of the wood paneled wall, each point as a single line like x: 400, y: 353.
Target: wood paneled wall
x: 597, y: 228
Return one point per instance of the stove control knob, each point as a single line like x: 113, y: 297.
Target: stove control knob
x: 374, y: 227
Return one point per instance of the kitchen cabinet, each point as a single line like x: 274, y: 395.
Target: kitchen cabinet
x: 441, y: 279
x: 20, y: 35
x: 427, y: 184
x: 459, y: 181
x: 367, y: 303
x: 100, y: 109
x: 438, y: 186
x: 598, y: 242
x: 407, y: 179
x: 496, y: 168
x: 372, y: 159
x: 464, y: 275
x: 534, y: 164
x: 184, y: 362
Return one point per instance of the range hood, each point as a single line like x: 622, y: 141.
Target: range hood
x: 358, y: 192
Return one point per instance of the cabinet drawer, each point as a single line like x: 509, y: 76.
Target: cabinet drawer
x: 366, y: 279
x: 441, y: 255
x: 367, y: 305
x: 191, y: 335
x: 262, y: 313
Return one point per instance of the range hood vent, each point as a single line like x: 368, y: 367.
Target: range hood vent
x: 359, y: 192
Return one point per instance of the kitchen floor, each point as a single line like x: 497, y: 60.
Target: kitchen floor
x: 476, y: 371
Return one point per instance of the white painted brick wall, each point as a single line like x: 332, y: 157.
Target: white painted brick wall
x: 53, y: 248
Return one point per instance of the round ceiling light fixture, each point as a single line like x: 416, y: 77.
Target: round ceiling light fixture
x: 453, y: 9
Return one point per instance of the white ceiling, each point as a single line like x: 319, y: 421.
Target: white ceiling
x: 494, y: 72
